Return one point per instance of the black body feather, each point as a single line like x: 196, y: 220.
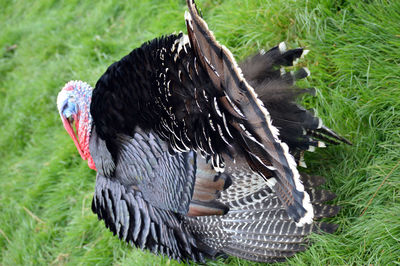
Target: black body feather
x: 159, y: 110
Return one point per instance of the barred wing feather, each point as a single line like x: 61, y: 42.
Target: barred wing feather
x: 265, y: 152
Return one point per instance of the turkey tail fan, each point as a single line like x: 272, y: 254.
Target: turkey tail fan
x: 260, y: 140
x: 257, y: 226
x: 299, y: 128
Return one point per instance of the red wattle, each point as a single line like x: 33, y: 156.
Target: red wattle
x: 91, y: 163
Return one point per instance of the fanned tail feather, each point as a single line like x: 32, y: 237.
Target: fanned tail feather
x: 301, y: 129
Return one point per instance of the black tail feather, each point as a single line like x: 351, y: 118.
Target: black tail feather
x: 333, y: 134
x: 274, y: 87
x: 321, y: 211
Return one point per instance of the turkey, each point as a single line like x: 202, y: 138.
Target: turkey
x: 190, y: 162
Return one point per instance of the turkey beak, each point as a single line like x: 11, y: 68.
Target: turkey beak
x: 70, y: 129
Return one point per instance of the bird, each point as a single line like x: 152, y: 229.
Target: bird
x: 196, y: 155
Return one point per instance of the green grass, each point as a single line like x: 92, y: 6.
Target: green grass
x: 46, y: 189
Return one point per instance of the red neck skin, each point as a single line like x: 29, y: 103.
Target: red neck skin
x: 83, y: 134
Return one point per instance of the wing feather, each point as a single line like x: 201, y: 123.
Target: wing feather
x: 226, y: 77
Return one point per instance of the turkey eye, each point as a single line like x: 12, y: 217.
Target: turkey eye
x: 65, y: 108
x: 69, y: 108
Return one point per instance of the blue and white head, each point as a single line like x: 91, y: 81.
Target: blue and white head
x: 73, y: 103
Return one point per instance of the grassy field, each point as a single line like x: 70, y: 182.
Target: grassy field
x: 46, y: 189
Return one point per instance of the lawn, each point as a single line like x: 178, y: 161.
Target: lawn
x: 46, y: 188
